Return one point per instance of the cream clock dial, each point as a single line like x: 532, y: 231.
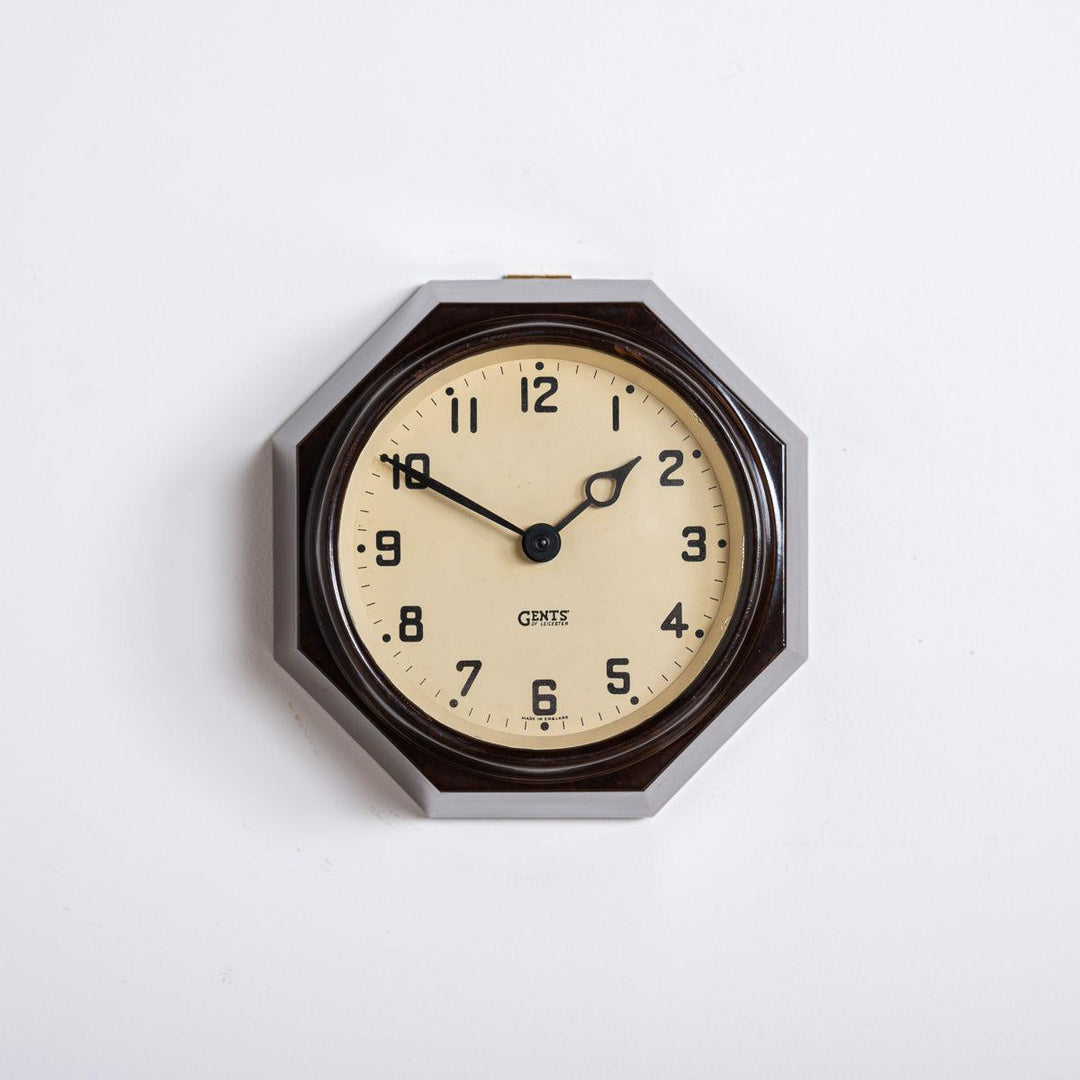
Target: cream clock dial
x: 540, y: 546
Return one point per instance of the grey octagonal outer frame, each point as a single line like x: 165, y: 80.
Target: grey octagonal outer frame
x: 539, y: 804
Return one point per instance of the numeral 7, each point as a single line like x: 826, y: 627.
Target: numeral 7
x: 461, y: 665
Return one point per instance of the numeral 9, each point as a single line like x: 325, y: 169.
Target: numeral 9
x: 388, y: 541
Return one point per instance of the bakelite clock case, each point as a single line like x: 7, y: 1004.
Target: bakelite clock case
x: 448, y: 773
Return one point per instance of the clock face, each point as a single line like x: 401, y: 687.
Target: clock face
x: 540, y: 546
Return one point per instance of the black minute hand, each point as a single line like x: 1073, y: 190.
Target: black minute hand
x: 449, y: 493
x: 616, y: 476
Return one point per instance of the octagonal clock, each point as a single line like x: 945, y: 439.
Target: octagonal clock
x: 540, y: 547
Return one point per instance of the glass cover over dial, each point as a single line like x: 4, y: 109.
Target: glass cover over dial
x: 541, y: 546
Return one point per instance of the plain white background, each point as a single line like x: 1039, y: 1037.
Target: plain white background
x: 872, y: 208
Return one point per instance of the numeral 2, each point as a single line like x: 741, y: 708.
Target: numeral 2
x: 668, y: 477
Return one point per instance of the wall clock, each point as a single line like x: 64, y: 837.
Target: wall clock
x: 540, y: 547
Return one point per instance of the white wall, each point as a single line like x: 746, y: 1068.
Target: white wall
x: 872, y: 208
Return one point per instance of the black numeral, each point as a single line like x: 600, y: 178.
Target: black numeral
x: 544, y: 704
x: 615, y: 414
x: 455, y: 412
x: 674, y: 621
x: 540, y: 405
x: 388, y: 541
x: 668, y: 477
x: 695, y: 543
x: 411, y: 627
x: 476, y: 665
x: 620, y: 680
x: 420, y: 462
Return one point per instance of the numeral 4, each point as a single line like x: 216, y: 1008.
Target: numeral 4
x: 674, y: 621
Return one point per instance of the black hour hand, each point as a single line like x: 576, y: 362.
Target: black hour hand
x: 616, y: 477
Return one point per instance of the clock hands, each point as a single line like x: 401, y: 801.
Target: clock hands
x: 449, y: 493
x: 540, y: 542
x: 616, y: 476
